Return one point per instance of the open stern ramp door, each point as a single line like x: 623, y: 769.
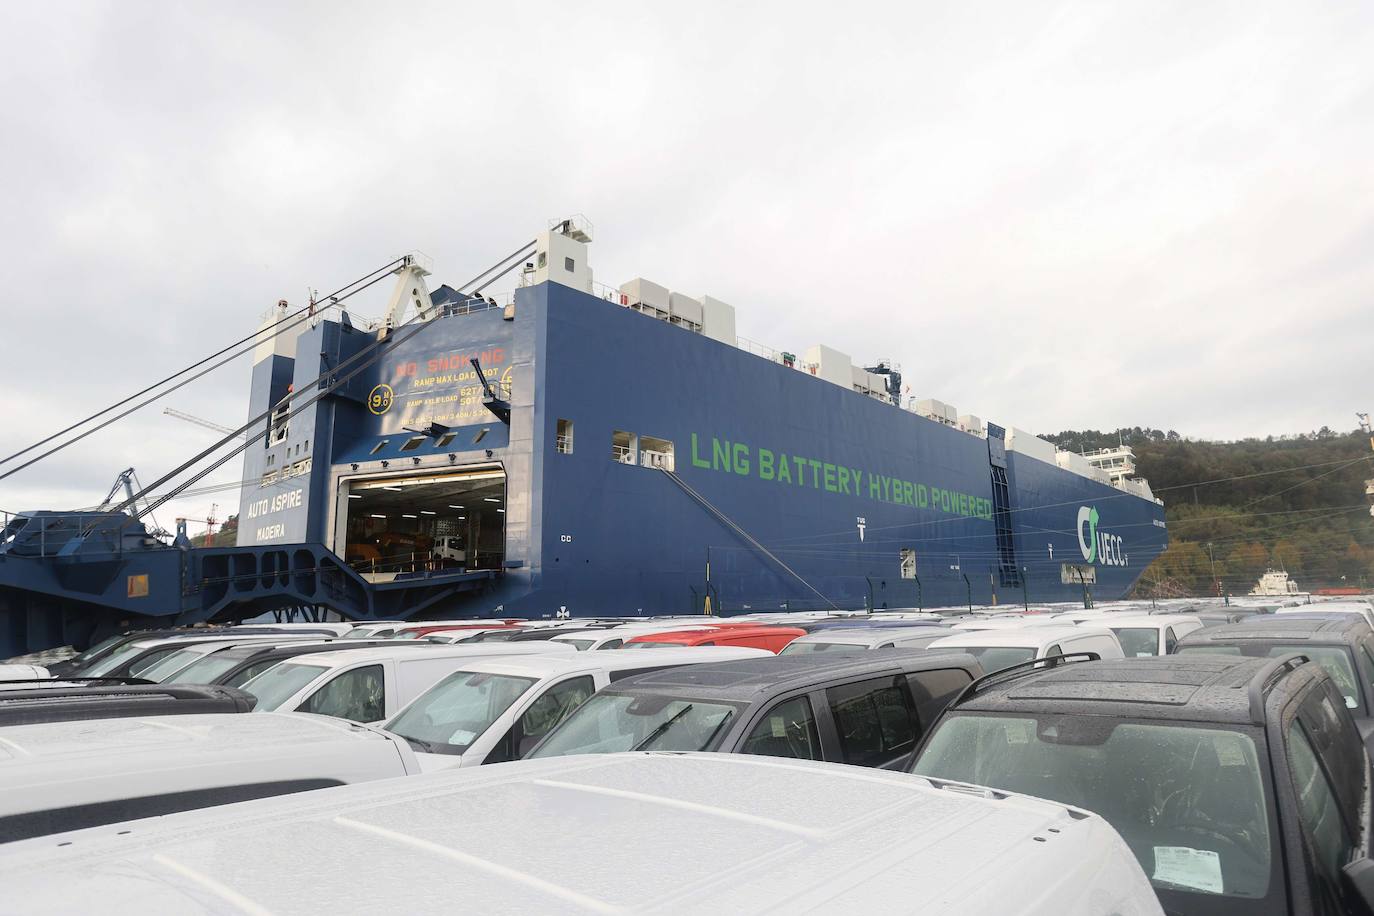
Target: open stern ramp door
x: 395, y: 525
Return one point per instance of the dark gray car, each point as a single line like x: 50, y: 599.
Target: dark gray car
x: 864, y: 708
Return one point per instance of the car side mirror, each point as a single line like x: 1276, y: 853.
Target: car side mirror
x: 1357, y: 880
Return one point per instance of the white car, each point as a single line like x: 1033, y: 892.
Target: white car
x: 65, y: 775
x: 616, y: 833
x: 998, y: 649
x: 494, y: 710
x: 172, y: 663
x: 23, y: 673
x: 1147, y: 635
x: 860, y: 639
x: 373, y: 684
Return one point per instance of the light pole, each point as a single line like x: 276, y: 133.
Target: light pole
x: 1025, y: 593
x: 957, y: 567
x: 1216, y: 587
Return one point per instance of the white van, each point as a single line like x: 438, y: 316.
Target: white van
x: 1145, y: 635
x: 998, y: 649
x: 614, y: 833
x: 337, y: 627
x: 494, y: 710
x: 369, y: 685
x: 66, y: 775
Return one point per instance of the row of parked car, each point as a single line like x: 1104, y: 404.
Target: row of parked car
x: 1108, y: 760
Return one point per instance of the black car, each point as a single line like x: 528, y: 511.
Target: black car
x: 111, y: 698
x: 864, y: 708
x: 1241, y: 785
x: 1343, y: 645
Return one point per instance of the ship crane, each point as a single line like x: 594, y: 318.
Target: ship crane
x: 893, y: 381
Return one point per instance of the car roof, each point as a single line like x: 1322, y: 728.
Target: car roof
x: 753, y: 679
x: 1309, y: 628
x: 541, y: 666
x: 164, y: 737
x: 425, y: 837
x: 340, y: 657
x: 1152, y: 621
x: 1029, y: 636
x: 1203, y: 688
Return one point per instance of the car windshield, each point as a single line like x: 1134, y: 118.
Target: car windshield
x: 207, y: 669
x: 611, y: 722
x: 359, y: 633
x: 280, y: 683
x: 96, y: 649
x: 170, y: 664
x: 408, y: 634
x: 655, y: 645
x: 495, y: 635
x: 113, y: 660
x: 581, y: 645
x: 1335, y: 659
x: 448, y: 717
x: 1188, y: 801
x: 1138, y: 642
x: 995, y: 658
x: 798, y: 647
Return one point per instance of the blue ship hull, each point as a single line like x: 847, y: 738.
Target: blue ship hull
x: 786, y: 491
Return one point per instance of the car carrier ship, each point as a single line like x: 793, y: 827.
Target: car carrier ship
x: 575, y: 449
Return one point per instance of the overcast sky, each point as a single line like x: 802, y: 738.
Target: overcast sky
x: 1054, y: 215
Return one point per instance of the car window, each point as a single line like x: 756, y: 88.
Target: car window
x: 1317, y: 810
x: 612, y: 644
x: 248, y: 673
x: 1338, y: 746
x: 875, y: 722
x: 149, y: 661
x: 1170, y: 641
x: 1337, y: 660
x: 786, y: 730
x: 933, y: 691
x: 358, y: 695
x: 1053, y: 650
x: 555, y: 705
x: 1365, y: 662
x: 1138, y: 642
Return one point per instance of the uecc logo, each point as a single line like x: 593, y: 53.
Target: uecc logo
x: 1098, y: 546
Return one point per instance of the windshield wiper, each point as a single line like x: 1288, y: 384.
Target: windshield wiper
x: 423, y: 747
x: 659, y: 732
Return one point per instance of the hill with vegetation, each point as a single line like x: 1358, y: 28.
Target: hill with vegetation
x: 1289, y: 502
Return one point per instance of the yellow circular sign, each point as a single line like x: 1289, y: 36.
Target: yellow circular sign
x: 379, y: 400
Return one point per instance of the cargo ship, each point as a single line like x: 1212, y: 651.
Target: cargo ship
x: 576, y: 449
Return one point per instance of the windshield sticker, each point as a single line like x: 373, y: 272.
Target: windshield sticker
x: 461, y: 736
x: 1196, y: 868
x: 1230, y: 750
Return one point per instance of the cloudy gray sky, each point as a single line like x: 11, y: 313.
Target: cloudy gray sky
x: 1055, y: 215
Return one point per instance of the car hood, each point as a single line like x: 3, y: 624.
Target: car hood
x: 430, y: 763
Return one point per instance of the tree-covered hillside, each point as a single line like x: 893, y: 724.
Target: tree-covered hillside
x: 1292, y: 502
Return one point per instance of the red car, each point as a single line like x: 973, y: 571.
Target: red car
x: 756, y: 637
